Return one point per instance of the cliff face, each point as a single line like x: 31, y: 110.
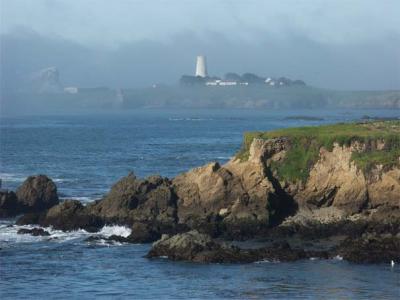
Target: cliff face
x: 246, y: 190
x: 326, y: 182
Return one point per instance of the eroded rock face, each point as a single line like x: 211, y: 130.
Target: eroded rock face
x: 37, y: 193
x: 132, y: 200
x: 235, y: 196
x: 335, y: 181
x: 240, y: 197
x: 385, y: 189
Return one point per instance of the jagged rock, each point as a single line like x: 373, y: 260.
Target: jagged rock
x: 9, y: 205
x: 37, y: 193
x: 239, y: 198
x: 132, y: 200
x: 34, y: 232
x: 71, y: 215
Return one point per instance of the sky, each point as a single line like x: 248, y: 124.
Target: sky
x: 334, y: 44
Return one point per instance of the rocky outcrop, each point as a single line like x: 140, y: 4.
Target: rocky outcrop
x: 198, y: 247
x: 71, y: 215
x: 334, y: 181
x: 254, y: 194
x: 37, y: 193
x: 132, y: 200
x: 239, y: 198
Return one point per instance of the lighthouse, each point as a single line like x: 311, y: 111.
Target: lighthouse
x: 201, y: 66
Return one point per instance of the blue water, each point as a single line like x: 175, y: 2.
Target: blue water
x: 85, y: 154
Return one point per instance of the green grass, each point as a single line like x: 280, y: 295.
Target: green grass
x: 307, y: 141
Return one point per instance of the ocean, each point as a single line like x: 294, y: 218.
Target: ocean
x: 85, y: 154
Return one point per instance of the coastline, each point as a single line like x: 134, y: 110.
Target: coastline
x: 236, y: 201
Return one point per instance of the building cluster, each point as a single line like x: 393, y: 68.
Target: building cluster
x: 232, y: 79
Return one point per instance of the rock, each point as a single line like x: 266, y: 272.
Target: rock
x: 132, y: 200
x: 372, y: 249
x: 9, y: 205
x: 143, y: 233
x: 234, y: 198
x: 335, y: 181
x: 71, y: 215
x: 199, y: 247
x: 34, y: 232
x: 385, y: 189
x: 37, y: 193
x: 31, y: 218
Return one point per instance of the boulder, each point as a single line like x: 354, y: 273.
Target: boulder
x: 9, y: 205
x: 37, y: 193
x: 71, y: 215
x: 132, y: 200
x: 34, y: 232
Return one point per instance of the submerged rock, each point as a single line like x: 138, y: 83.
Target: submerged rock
x: 37, y: 193
x: 34, y: 232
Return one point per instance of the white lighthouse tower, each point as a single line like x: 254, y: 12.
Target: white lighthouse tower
x: 201, y: 66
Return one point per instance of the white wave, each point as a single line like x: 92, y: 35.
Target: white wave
x: 12, y: 177
x: 59, y: 180
x: 263, y: 261
x: 9, y: 234
x: 18, y: 177
x: 108, y: 231
x: 190, y: 119
x: 338, y: 257
x: 82, y: 199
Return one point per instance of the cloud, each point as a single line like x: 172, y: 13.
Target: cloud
x: 96, y: 23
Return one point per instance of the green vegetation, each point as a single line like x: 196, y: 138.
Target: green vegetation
x: 307, y: 141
